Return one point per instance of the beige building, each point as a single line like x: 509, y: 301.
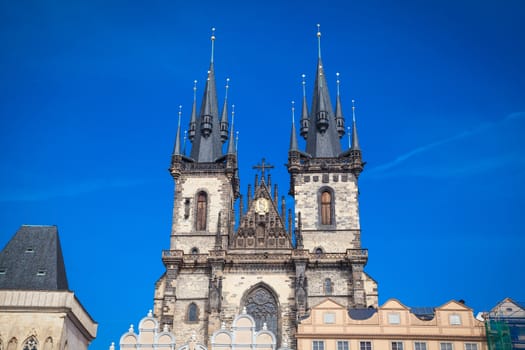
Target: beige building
x: 37, y: 309
x: 392, y: 326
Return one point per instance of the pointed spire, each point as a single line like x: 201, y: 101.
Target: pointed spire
x: 319, y: 41
x: 193, y: 120
x: 176, y: 149
x: 293, y: 137
x: 355, y: 140
x: 207, y: 143
x: 304, y: 112
x: 232, y: 149
x: 212, y: 43
x: 322, y: 139
x: 339, y: 119
x: 184, y: 142
x: 224, y: 118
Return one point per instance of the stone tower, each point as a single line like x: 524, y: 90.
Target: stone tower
x: 323, y: 182
x: 268, y: 266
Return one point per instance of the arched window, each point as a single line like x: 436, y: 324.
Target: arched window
x: 193, y: 313
x: 202, y: 204
x: 326, y: 208
x: 318, y: 251
x: 262, y: 306
x: 328, y: 287
x: 194, y: 251
x: 30, y: 344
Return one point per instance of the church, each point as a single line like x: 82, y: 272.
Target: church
x: 230, y: 252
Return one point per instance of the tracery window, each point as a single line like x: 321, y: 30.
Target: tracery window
x: 262, y: 306
x: 193, y: 314
x: 328, y: 287
x: 326, y: 207
x: 202, y: 206
x: 30, y: 344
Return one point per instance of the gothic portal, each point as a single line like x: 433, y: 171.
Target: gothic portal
x: 274, y: 263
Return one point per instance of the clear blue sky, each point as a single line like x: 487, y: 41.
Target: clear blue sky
x: 89, y: 95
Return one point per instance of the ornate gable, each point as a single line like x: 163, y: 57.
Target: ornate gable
x: 261, y: 227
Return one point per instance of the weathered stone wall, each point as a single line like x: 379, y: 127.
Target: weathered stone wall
x: 220, y: 196
x: 344, y: 233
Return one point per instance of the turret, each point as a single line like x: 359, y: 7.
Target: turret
x: 224, y: 118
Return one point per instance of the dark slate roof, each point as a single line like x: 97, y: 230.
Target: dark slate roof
x: 423, y: 313
x: 326, y: 144
x: 361, y: 313
x: 32, y: 260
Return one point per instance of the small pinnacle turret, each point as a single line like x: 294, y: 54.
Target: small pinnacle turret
x: 304, y: 113
x: 224, y: 118
x: 355, y: 139
x: 176, y: 148
x: 339, y: 119
x: 293, y: 137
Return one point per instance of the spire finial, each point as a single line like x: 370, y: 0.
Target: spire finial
x: 293, y: 112
x: 349, y: 136
x: 212, y: 42
x: 180, y: 114
x: 353, y: 110
x: 319, y: 40
x: 304, y: 84
x: 184, y: 142
x: 227, y: 86
x: 194, y: 90
x: 233, y: 114
x: 338, y: 82
x: 237, y: 140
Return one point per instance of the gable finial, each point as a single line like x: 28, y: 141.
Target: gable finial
x: 319, y: 40
x: 212, y: 42
x: 293, y: 112
x: 353, y: 110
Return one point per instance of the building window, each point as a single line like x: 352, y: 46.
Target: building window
x: 202, y: 204
x: 329, y: 317
x: 193, y: 313
x: 445, y: 346
x: 454, y: 320
x: 262, y: 306
x: 394, y: 318
x: 420, y: 345
x: 342, y: 345
x: 326, y: 207
x: 397, y: 345
x: 328, y: 287
x: 471, y: 346
x: 194, y: 251
x: 30, y: 344
x: 318, y: 345
x: 365, y: 345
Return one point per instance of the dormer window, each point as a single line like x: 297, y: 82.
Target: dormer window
x: 30, y: 250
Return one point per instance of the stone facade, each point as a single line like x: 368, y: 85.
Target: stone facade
x: 260, y: 257
x: 52, y: 319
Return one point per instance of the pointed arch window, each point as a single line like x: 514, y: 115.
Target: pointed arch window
x: 202, y: 208
x: 262, y: 306
x: 30, y: 344
x: 328, y: 286
x: 193, y: 313
x: 327, y: 207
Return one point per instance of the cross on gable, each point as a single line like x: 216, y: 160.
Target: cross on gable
x: 263, y: 167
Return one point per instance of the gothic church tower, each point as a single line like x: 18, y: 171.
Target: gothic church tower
x: 215, y: 272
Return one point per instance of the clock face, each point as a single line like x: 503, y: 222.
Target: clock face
x: 261, y: 206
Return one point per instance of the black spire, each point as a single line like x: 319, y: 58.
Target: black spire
x: 304, y: 113
x: 339, y: 119
x: 207, y: 143
x: 293, y: 137
x: 193, y: 120
x: 355, y: 139
x: 322, y: 139
x: 224, y: 117
x: 176, y: 148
